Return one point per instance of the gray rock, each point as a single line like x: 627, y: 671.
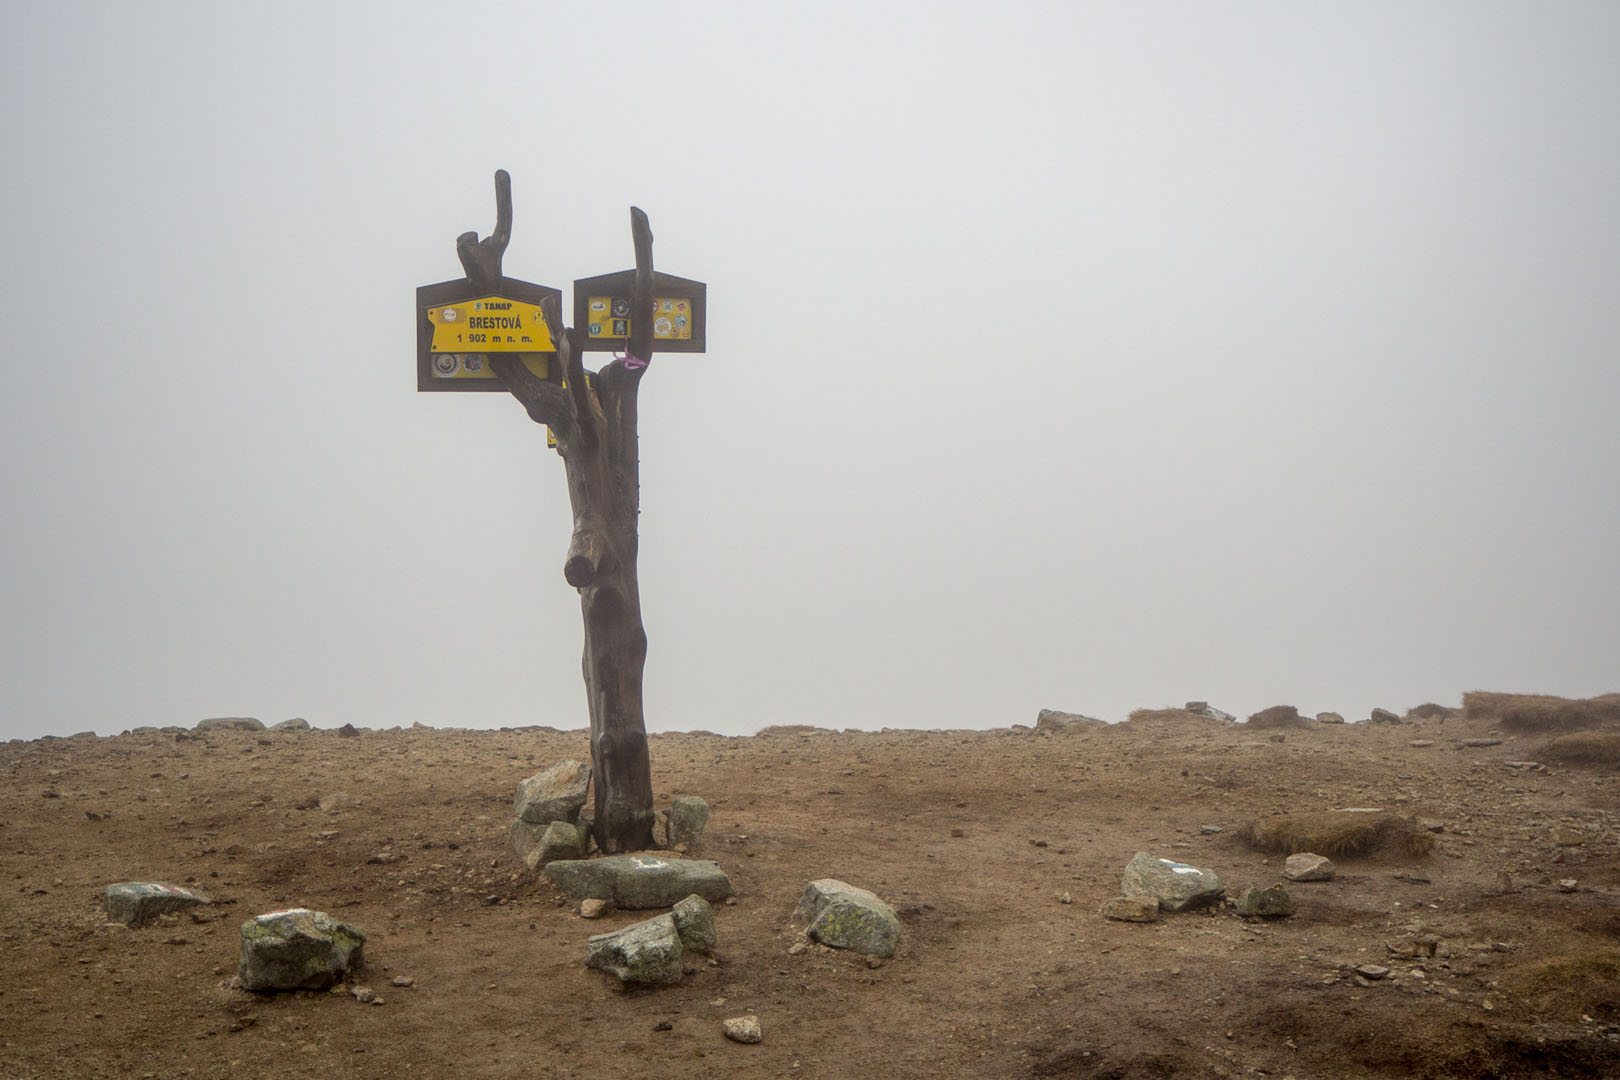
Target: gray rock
x: 538, y: 845
x: 639, y: 881
x: 846, y: 917
x: 338, y: 800
x: 1384, y: 716
x: 298, y: 949
x: 694, y: 921
x: 1053, y: 721
x: 643, y: 953
x: 1203, y: 708
x: 297, y: 723
x: 743, y: 1029
x: 1329, y: 718
x: 556, y: 794
x: 136, y: 903
x: 1481, y: 742
x: 1306, y: 866
x: 1272, y: 903
x: 230, y: 723
x: 688, y: 815
x: 1373, y: 971
x: 1131, y: 909
x: 1175, y: 885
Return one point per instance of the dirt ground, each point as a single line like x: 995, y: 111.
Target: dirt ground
x: 995, y: 847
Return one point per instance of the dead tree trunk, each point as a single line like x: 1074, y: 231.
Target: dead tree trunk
x: 594, y: 421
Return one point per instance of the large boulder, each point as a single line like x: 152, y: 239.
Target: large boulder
x: 688, y: 815
x: 694, y: 921
x: 230, y: 723
x: 1175, y: 885
x: 846, y: 917
x: 298, y: 949
x: 645, y: 953
x: 556, y: 794
x: 136, y: 903
x: 297, y: 723
x: 538, y: 845
x: 639, y: 881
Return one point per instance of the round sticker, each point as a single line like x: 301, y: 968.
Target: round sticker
x: 661, y: 326
x: 473, y: 362
x: 444, y: 365
x: 451, y: 314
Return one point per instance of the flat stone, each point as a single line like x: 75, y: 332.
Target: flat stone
x: 1329, y: 718
x: 1177, y: 886
x: 1053, y: 722
x: 1373, y: 971
x: 1421, y: 744
x: 1139, y: 909
x: 298, y: 949
x: 1306, y: 866
x: 1210, y: 830
x: 743, y: 1029
x: 694, y: 922
x: 1480, y: 743
x: 554, y: 794
x: 230, y: 723
x: 686, y: 819
x: 644, y: 953
x: 1269, y: 903
x: 297, y: 723
x: 136, y: 903
x: 639, y: 881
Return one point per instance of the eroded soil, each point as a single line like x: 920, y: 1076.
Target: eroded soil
x: 977, y: 838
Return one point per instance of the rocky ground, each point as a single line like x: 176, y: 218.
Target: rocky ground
x: 997, y: 849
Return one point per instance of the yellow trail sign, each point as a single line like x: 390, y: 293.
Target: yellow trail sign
x: 489, y: 324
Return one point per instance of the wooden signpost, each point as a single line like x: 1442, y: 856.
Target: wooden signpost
x: 481, y: 333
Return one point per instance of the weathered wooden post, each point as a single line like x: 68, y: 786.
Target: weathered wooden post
x: 592, y: 419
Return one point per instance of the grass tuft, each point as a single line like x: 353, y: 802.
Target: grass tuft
x: 1336, y: 833
x: 1541, y: 712
x: 1279, y: 716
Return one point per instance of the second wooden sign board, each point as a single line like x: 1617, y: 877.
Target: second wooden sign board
x: 603, y: 318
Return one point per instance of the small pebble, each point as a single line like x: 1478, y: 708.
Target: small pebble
x: 743, y: 1029
x: 592, y: 908
x: 365, y: 995
x: 404, y: 980
x: 1372, y: 971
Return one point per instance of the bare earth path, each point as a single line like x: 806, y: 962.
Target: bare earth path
x: 976, y: 838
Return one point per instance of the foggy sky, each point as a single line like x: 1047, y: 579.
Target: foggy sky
x: 1085, y: 356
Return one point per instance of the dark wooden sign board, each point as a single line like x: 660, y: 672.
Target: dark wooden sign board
x: 450, y: 292
x: 602, y: 312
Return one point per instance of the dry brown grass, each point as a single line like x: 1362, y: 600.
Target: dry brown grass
x: 1180, y: 716
x: 1571, y: 986
x: 794, y: 729
x: 1583, y: 748
x: 1334, y: 832
x: 1541, y: 712
x: 1279, y: 716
